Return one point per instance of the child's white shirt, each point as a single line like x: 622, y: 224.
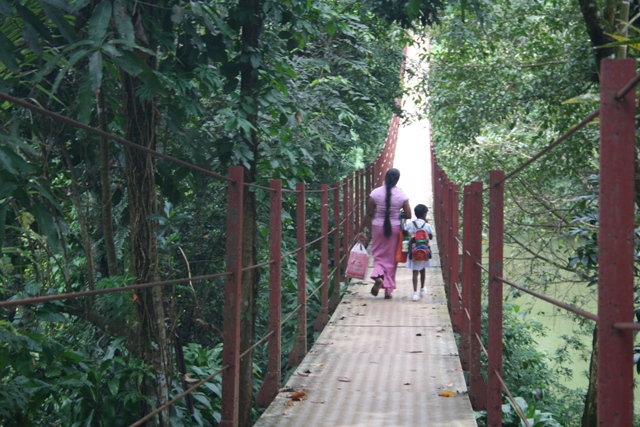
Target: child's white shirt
x: 420, y: 223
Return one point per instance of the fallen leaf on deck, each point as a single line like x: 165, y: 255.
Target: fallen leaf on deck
x: 298, y: 396
x: 447, y: 393
x: 344, y: 379
x: 306, y: 371
x: 289, y: 403
x: 300, y: 374
x: 450, y: 384
x: 283, y: 389
x: 418, y: 335
x: 407, y: 384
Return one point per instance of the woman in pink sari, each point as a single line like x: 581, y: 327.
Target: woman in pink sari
x: 383, y: 219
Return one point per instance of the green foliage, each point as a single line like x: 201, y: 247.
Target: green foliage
x: 44, y: 383
x: 327, y: 84
x: 407, y: 13
x: 534, y: 375
x: 511, y: 418
x: 490, y: 97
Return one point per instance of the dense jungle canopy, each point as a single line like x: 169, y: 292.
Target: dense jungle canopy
x: 296, y: 90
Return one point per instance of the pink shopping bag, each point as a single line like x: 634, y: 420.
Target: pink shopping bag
x: 358, y: 262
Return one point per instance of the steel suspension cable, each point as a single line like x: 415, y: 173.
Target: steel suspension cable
x: 59, y: 117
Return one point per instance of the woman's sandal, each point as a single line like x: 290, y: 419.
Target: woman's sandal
x: 376, y: 287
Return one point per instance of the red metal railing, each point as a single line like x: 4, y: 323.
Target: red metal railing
x: 352, y: 193
x: 615, y: 260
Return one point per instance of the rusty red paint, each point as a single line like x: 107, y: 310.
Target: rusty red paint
x: 477, y: 386
x: 496, y: 246
x: 335, y: 295
x: 323, y: 314
x: 232, y: 301
x: 616, y: 244
x: 271, y: 383
x: 300, y: 345
x: 455, y: 261
x: 466, y: 278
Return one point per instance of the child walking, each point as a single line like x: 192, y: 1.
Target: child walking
x: 418, y: 267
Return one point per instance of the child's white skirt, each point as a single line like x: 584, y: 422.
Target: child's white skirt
x: 418, y: 265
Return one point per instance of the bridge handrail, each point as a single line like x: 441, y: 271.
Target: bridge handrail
x: 352, y: 192
x: 614, y: 321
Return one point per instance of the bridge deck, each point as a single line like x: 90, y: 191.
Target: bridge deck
x: 380, y: 363
x: 384, y: 362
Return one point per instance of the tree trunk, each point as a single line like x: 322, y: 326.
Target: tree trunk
x: 140, y: 127
x: 590, y: 414
x: 251, y: 28
x: 597, y: 27
x: 105, y: 184
x: 82, y: 219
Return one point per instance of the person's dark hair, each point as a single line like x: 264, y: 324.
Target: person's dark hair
x: 420, y: 210
x: 390, y: 181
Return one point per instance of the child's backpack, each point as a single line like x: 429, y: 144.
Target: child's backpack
x: 420, y: 250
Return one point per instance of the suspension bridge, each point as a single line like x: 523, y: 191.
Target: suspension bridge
x: 396, y: 362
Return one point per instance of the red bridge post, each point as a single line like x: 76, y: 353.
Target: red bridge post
x: 477, y: 386
x: 445, y: 221
x: 466, y: 279
x: 323, y: 315
x: 300, y: 346
x: 616, y: 244
x: 337, y: 275
x: 350, y: 209
x: 454, y: 293
x: 232, y: 300
x: 496, y: 246
x: 346, y: 243
x: 358, y: 199
x: 271, y: 383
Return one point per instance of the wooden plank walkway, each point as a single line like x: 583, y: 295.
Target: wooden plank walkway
x: 380, y: 363
x: 384, y: 362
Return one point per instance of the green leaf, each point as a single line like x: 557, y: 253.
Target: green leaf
x: 13, y: 163
x: 255, y: 60
x: 584, y: 98
x: 128, y: 63
x: 231, y: 124
x: 34, y: 21
x: 64, y: 27
x: 95, y: 70
x: 85, y: 100
x: 45, y: 224
x: 5, y: 8
x: 71, y: 356
x: 6, y: 54
x: 77, y: 56
x: 68, y: 6
x: 331, y: 28
x: 114, y: 386
x: 124, y: 23
x: 146, y: 73
x: 31, y: 36
x: 3, y: 218
x: 99, y: 22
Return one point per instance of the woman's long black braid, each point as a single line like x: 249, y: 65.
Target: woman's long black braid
x: 390, y: 181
